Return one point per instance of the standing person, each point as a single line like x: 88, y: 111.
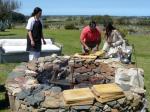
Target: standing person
x: 35, y: 34
x: 90, y: 38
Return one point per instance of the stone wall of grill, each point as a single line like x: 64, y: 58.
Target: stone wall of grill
x: 37, y: 86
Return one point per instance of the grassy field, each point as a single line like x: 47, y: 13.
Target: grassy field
x: 70, y: 41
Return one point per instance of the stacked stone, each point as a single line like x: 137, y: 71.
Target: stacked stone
x: 88, y: 72
x: 49, y: 68
x: 31, y: 90
x: 54, y: 104
x: 41, y: 98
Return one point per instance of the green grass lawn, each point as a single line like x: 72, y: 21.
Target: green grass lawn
x: 70, y: 41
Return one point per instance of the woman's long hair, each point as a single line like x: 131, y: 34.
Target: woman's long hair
x: 36, y: 11
x: 109, y: 29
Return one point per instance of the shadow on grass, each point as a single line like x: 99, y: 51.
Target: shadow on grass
x: 4, y: 103
x: 11, y: 34
x: 5, y: 31
x: 2, y: 88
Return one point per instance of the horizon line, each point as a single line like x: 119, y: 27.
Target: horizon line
x: 91, y: 15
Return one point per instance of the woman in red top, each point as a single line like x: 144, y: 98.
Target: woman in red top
x: 90, y: 38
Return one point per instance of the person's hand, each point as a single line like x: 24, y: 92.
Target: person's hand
x: 44, y: 42
x: 32, y: 43
x: 96, y: 48
x: 87, y: 48
x: 113, y: 45
x: 109, y: 43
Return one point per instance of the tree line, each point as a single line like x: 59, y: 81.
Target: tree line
x: 8, y: 16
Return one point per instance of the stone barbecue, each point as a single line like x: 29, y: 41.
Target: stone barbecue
x: 37, y: 86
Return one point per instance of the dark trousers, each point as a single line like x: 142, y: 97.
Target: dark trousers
x: 91, y: 46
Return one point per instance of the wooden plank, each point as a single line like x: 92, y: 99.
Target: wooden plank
x: 81, y: 94
x: 78, y: 103
x: 105, y: 95
x: 107, y: 92
x: 107, y: 88
x: 103, y: 100
x: 85, y: 56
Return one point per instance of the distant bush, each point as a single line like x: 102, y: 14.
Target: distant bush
x: 69, y: 18
x: 3, y: 26
x: 18, y: 17
x: 70, y: 27
x: 102, y: 19
x: 45, y: 25
x: 131, y: 30
x: 123, y: 32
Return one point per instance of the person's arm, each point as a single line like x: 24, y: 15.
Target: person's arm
x: 31, y: 38
x: 44, y: 42
x: 99, y: 40
x: 29, y: 28
x: 119, y: 40
x: 82, y: 39
x: 106, y: 46
x: 97, y: 46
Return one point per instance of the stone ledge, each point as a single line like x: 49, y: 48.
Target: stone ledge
x: 30, y: 89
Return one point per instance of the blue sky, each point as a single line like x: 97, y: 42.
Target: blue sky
x: 88, y: 7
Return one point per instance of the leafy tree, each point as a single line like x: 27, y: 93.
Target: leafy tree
x: 18, y: 17
x: 102, y: 19
x: 6, y: 8
x: 69, y: 18
x: 70, y: 26
x: 97, y: 19
x: 82, y: 20
x: 123, y: 21
x: 107, y: 19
